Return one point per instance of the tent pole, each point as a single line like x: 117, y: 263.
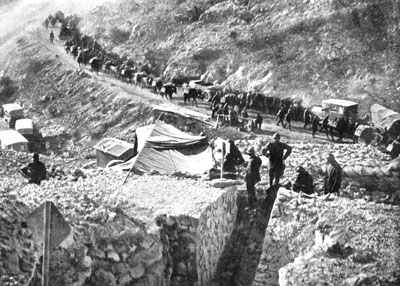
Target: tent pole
x: 130, y: 170
x: 222, y: 159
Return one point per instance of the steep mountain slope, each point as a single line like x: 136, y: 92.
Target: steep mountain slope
x: 82, y: 107
x: 308, y: 49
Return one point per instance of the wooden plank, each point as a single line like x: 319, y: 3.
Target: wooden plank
x: 46, y: 243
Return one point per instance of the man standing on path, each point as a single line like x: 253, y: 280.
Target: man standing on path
x: 314, y: 125
x: 280, y: 116
x: 289, y: 117
x: 258, y: 122
x: 275, y: 152
x: 307, y: 117
x: 252, y: 176
x: 52, y: 37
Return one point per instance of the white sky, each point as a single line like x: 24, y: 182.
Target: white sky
x: 17, y: 17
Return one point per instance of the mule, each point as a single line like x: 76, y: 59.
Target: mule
x: 191, y: 94
x: 167, y: 90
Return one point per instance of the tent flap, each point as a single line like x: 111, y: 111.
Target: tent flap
x: 165, y: 149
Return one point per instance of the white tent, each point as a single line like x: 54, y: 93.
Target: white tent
x: 384, y: 117
x: 11, y: 139
x: 166, y: 149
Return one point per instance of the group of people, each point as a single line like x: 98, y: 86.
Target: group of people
x: 277, y: 152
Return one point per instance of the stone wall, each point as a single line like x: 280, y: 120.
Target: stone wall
x: 109, y: 247
x: 119, y: 251
x: 195, y: 244
x: 276, y: 252
x: 216, y: 224
x: 115, y: 251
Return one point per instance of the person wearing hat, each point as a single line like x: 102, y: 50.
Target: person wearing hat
x: 252, y: 176
x: 333, y: 175
x: 277, y: 152
x: 36, y: 171
x: 304, y: 181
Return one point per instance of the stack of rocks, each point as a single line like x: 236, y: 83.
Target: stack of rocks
x: 16, y: 247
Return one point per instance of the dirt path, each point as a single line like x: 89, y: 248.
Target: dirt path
x: 129, y: 91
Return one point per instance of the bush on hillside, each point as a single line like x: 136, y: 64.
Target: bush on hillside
x: 7, y: 88
x: 119, y: 36
x: 35, y: 66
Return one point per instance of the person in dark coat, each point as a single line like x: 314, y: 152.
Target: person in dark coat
x: 288, y: 118
x: 342, y: 126
x: 36, y: 171
x: 252, y: 176
x: 333, y: 175
x: 215, y: 110
x: 315, y: 125
x: 304, y: 181
x: 307, y: 117
x: 352, y: 130
x: 215, y: 101
x: 51, y: 37
x: 325, y: 125
x: 258, y: 121
x: 277, y: 152
x: 280, y: 116
x: 233, y: 158
x: 245, y: 114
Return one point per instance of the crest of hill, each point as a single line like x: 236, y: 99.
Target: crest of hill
x: 310, y: 49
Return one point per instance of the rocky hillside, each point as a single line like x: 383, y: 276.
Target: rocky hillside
x: 308, y: 49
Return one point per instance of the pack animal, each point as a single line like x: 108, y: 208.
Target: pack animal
x: 167, y: 90
x: 191, y: 95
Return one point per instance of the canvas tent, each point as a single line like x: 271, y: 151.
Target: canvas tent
x: 383, y: 117
x: 166, y: 149
x: 11, y: 139
x: 24, y: 126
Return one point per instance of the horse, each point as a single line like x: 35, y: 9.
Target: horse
x: 127, y: 74
x: 83, y: 57
x: 109, y: 67
x: 167, y: 90
x: 95, y: 64
x: 191, y: 94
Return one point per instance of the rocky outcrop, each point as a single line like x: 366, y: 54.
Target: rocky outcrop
x: 308, y: 241
x: 17, y: 252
